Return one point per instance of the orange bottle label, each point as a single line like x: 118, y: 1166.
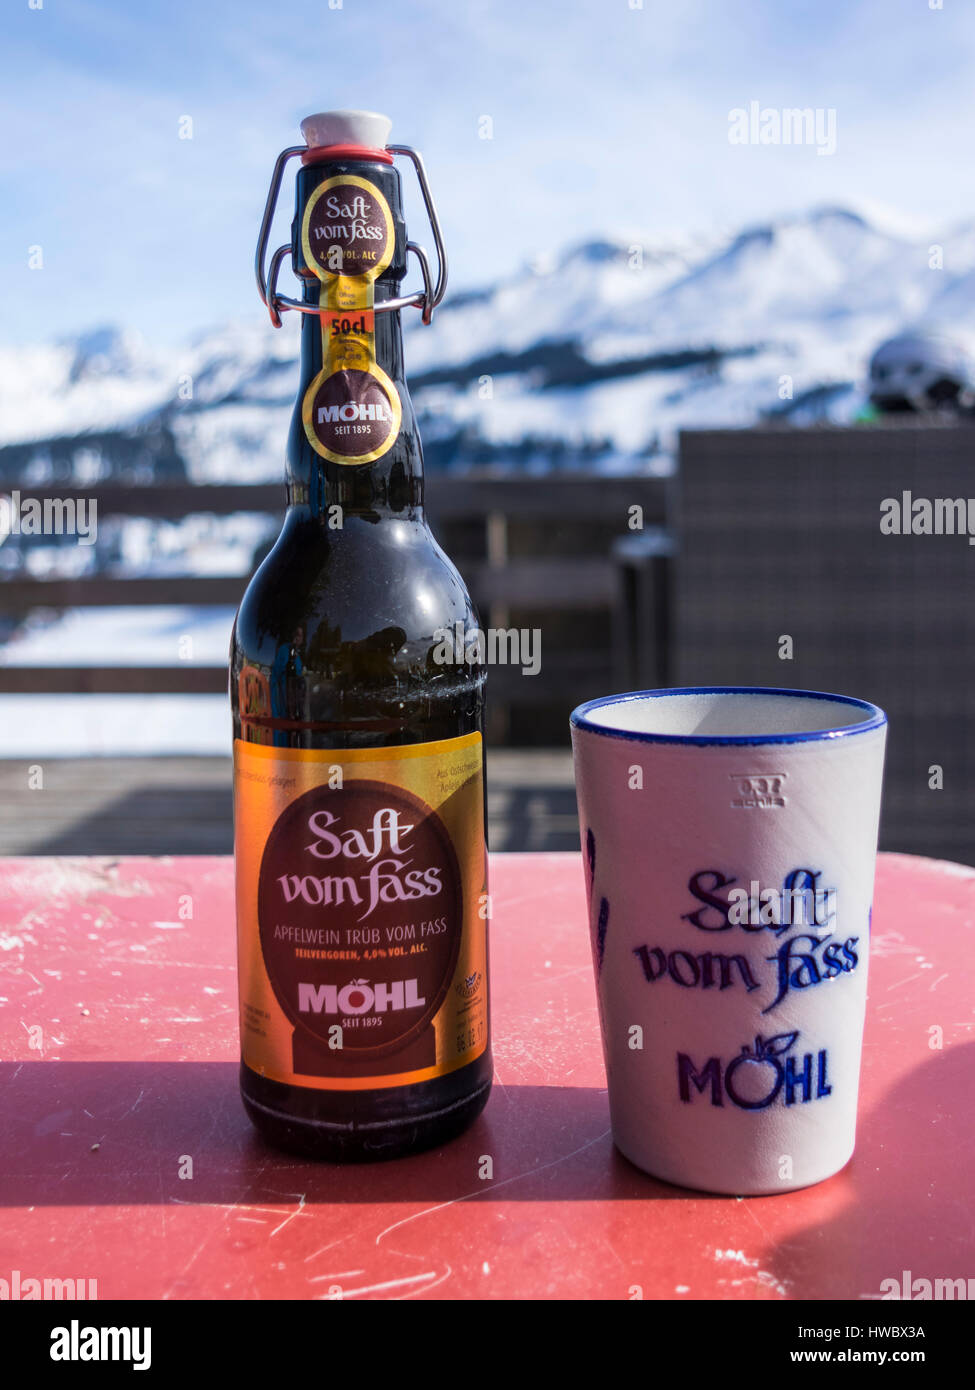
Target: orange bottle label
x: 361, y: 912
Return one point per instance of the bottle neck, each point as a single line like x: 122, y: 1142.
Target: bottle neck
x: 344, y: 403
x: 388, y: 340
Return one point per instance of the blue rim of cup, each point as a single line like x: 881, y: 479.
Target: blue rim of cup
x: 579, y: 718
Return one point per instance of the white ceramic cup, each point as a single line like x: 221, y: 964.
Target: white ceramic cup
x: 729, y: 838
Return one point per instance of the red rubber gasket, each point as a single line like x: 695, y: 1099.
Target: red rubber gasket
x: 324, y: 152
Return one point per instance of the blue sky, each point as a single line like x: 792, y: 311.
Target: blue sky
x: 608, y: 117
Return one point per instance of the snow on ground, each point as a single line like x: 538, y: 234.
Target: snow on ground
x: 145, y: 636
x: 81, y: 726
x: 78, y: 726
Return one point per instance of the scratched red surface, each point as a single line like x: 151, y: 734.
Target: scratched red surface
x: 118, y: 1047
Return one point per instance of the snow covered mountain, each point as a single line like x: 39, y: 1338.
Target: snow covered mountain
x: 596, y: 355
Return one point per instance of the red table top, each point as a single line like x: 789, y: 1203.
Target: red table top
x: 118, y: 1039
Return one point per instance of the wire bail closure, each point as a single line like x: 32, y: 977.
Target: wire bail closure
x: 426, y: 300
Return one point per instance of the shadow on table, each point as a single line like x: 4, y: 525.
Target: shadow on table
x: 540, y: 818
x: 172, y: 819
x: 907, y: 1200
x: 118, y: 1133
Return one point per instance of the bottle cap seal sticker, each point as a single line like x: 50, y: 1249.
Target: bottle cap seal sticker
x: 347, y: 229
x: 352, y: 410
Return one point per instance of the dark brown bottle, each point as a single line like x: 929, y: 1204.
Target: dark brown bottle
x: 358, y: 784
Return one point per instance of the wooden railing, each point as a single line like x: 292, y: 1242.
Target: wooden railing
x: 493, y: 526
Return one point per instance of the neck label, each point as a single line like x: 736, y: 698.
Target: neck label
x: 351, y: 411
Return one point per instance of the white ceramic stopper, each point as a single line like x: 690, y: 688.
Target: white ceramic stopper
x: 366, y: 128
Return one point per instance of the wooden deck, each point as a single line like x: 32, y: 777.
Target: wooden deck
x: 182, y: 805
